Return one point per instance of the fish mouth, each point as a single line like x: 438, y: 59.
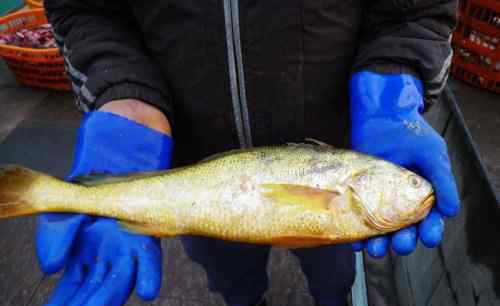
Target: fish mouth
x: 427, y: 203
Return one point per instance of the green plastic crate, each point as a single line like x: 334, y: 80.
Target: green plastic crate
x: 7, y: 6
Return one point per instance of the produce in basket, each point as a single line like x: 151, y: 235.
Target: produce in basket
x: 39, y: 38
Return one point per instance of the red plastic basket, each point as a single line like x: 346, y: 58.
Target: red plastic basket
x: 476, y: 44
x: 43, y: 68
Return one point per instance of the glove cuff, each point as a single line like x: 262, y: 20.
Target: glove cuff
x: 108, y: 143
x: 373, y: 93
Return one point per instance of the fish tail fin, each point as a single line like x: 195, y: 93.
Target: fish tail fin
x: 15, y: 182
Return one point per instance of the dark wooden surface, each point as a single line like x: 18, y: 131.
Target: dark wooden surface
x: 481, y: 111
x: 465, y: 269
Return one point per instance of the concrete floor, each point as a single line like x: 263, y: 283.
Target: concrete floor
x: 37, y: 129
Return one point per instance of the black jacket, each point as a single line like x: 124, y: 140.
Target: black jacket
x: 231, y: 73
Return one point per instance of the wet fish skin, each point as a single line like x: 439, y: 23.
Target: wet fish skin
x: 298, y: 195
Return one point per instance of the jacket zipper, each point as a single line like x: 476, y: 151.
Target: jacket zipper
x: 237, y: 73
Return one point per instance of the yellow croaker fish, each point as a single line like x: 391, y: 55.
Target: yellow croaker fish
x: 298, y: 195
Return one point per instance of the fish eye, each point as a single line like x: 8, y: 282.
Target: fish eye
x: 414, y: 181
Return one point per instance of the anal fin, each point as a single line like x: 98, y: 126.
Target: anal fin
x: 156, y: 230
x: 291, y: 242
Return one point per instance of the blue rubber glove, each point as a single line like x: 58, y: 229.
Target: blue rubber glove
x: 387, y: 122
x: 102, y: 262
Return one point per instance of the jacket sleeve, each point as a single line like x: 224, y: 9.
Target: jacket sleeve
x: 409, y: 36
x: 104, y: 53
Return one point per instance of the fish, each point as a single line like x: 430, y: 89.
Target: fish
x: 293, y: 195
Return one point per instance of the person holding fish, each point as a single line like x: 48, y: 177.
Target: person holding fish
x: 221, y: 75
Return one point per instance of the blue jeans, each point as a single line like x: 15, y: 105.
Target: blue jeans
x: 238, y: 271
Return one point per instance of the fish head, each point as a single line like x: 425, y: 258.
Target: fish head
x: 391, y: 197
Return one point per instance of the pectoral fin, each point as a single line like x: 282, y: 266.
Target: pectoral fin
x: 288, y: 194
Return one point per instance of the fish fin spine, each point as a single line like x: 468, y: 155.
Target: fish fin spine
x: 318, y: 142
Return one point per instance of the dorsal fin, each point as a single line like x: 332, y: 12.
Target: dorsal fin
x: 319, y: 142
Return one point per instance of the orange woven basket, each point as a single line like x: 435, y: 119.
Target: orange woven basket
x: 34, y: 4
x: 476, y: 44
x: 42, y: 68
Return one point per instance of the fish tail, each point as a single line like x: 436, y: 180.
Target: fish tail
x: 15, y: 183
